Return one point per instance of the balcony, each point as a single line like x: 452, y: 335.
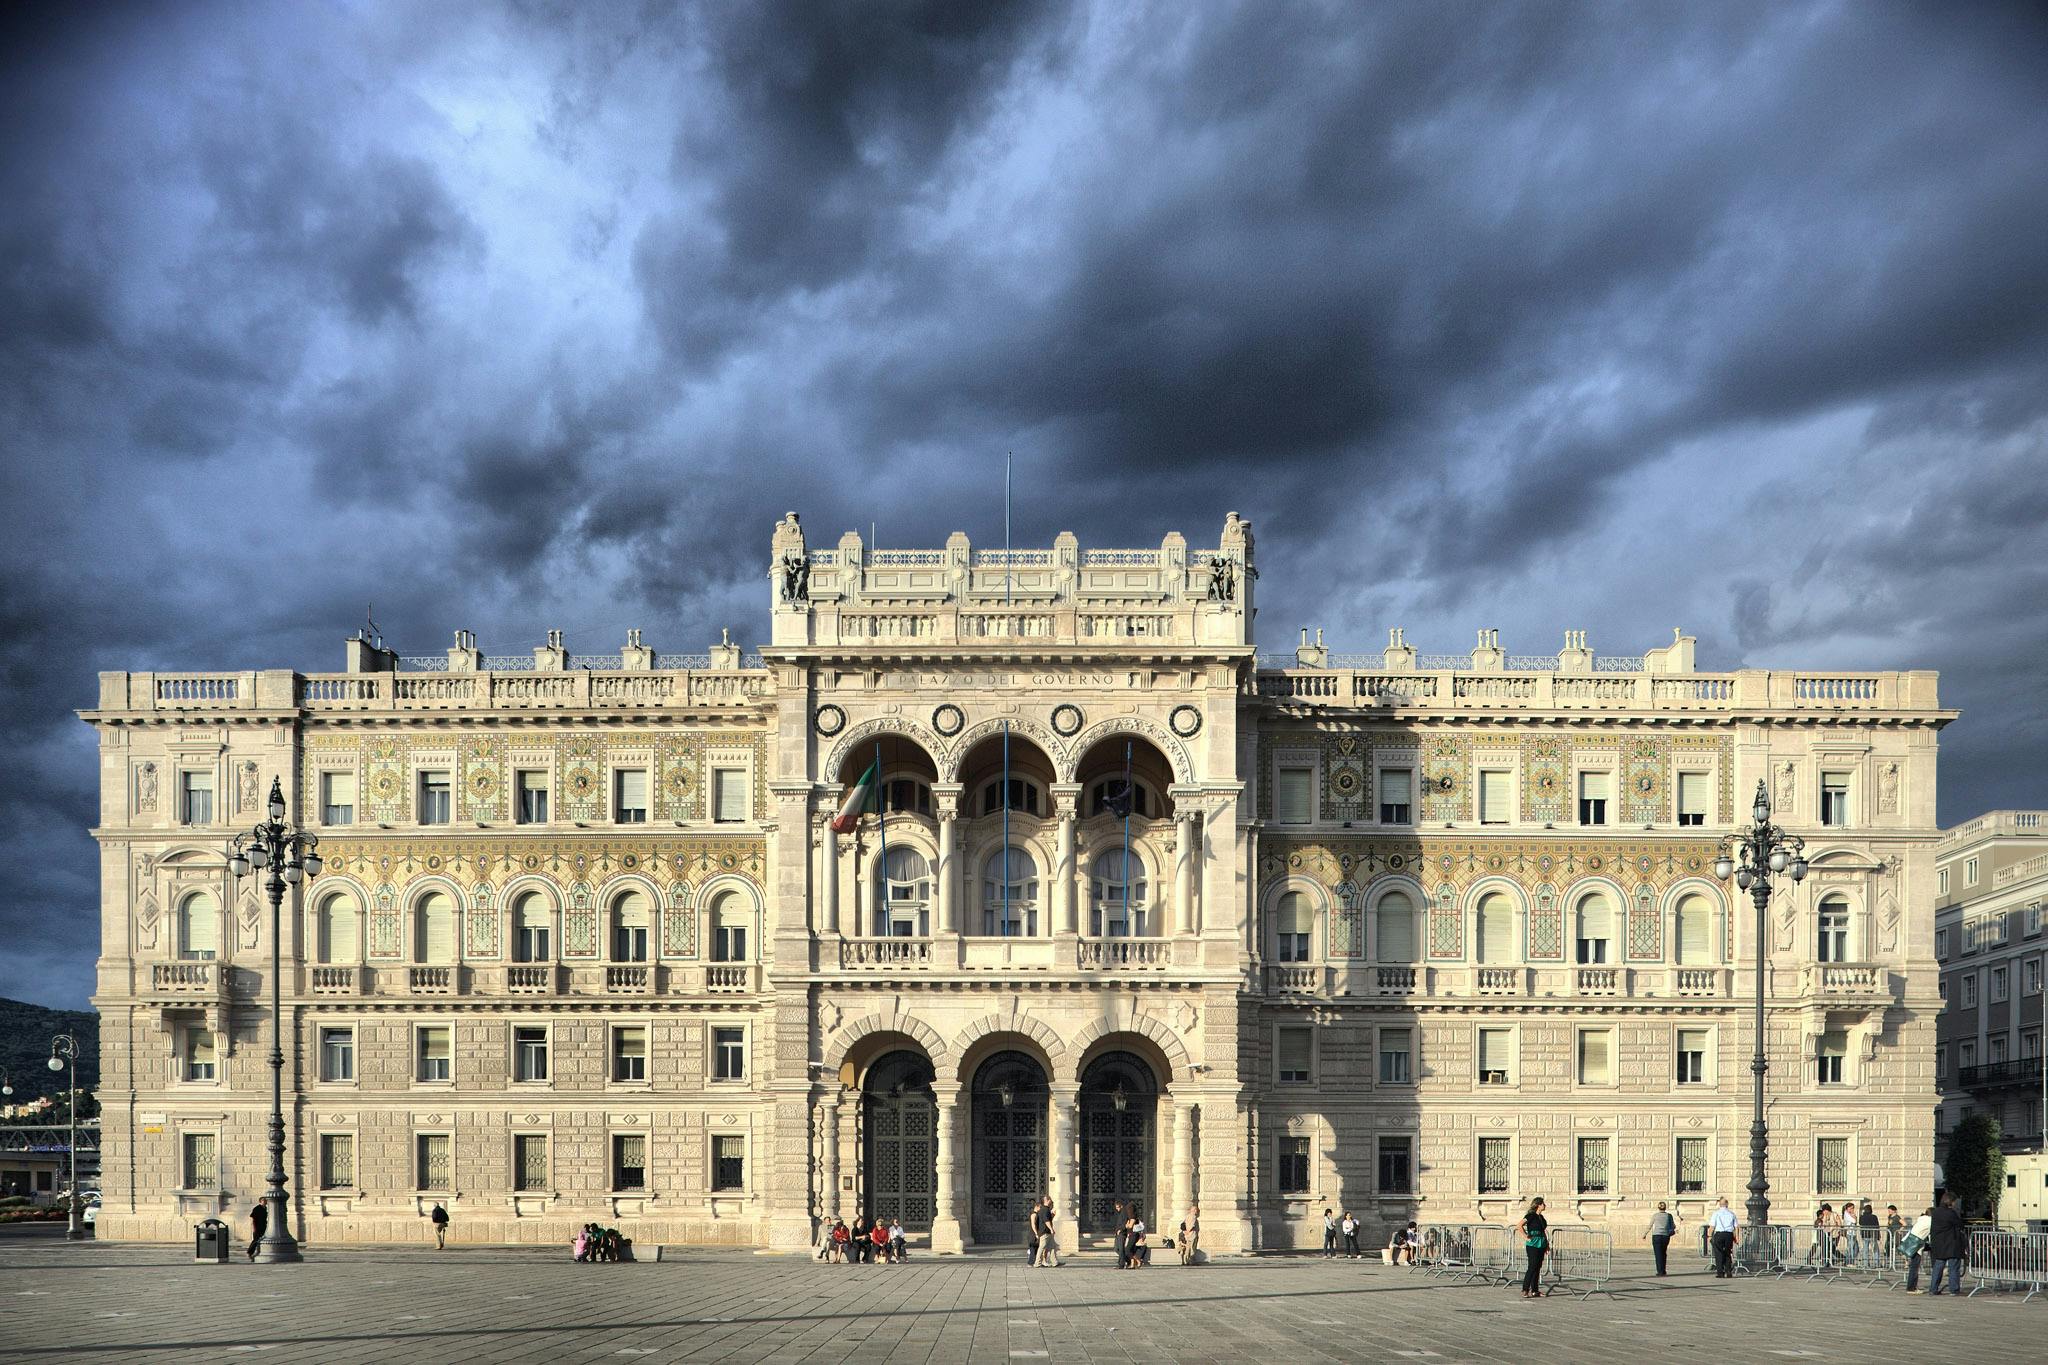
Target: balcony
x: 629, y: 978
x: 434, y: 980
x: 2025, y: 1072
x: 1499, y: 981
x: 1296, y: 978
x: 1846, y: 980
x: 1394, y: 980
x: 730, y: 978
x: 532, y: 978
x: 864, y: 954
x: 330, y: 980
x: 1119, y: 954
x: 186, y: 980
x: 1600, y: 981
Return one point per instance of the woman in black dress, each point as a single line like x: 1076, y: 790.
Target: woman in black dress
x: 1535, y: 1231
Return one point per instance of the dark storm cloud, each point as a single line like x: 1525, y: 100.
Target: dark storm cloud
x: 1533, y: 316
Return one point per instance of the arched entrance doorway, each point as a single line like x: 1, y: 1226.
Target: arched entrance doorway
x: 1012, y: 1103
x: 1119, y: 1127
x: 899, y: 1131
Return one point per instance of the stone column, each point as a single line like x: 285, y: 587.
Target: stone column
x: 1066, y: 799
x: 948, y: 902
x: 1183, y: 1163
x: 1184, y: 873
x: 1064, y: 1155
x: 828, y: 879
x: 828, y: 1156
x: 946, y: 1222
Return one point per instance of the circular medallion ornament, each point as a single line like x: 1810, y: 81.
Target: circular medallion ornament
x: 948, y: 719
x: 1185, y: 721
x: 830, y: 720
x: 1446, y: 782
x: 1345, y: 782
x: 1067, y: 719
x: 1646, y: 784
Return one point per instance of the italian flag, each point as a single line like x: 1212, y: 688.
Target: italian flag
x: 864, y: 795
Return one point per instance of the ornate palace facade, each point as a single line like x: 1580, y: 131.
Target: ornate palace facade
x: 1149, y: 916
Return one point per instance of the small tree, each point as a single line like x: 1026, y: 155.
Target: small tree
x: 1975, y: 1169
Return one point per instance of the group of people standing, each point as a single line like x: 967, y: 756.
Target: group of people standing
x: 1346, y: 1227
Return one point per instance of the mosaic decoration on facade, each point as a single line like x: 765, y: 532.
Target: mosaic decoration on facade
x: 1347, y: 926
x: 1446, y: 763
x: 1546, y: 924
x: 1645, y: 928
x: 1546, y: 781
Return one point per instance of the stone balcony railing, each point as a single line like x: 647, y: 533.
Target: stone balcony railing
x: 193, y: 980
x: 1114, y: 954
x: 1857, y: 979
x: 2023, y: 823
x: 886, y: 953
x: 1326, y: 980
x: 396, y: 692
x: 542, y: 979
x: 1454, y: 689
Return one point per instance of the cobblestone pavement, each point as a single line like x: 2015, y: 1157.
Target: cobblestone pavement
x: 125, y: 1303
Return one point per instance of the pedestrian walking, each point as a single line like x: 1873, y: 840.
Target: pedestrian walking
x: 439, y: 1218
x: 1663, y: 1227
x: 259, y: 1220
x: 1329, y: 1235
x: 1349, y: 1227
x: 1120, y: 1220
x: 1948, y: 1241
x: 1534, y: 1230
x: 1721, y: 1229
x: 1914, y: 1246
x: 1190, y: 1235
x: 1823, y: 1235
x: 1048, y: 1245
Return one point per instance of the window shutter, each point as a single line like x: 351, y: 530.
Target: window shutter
x: 337, y: 930
x: 1693, y: 924
x: 202, y: 1047
x: 1397, y: 928
x: 633, y: 788
x: 730, y: 796
x: 1293, y: 913
x: 437, y: 929
x: 1396, y: 786
x: 202, y: 927
x: 533, y: 913
x: 1493, y: 798
x: 1595, y: 786
x: 1493, y: 1049
x: 1291, y: 796
x: 632, y: 911
x: 1593, y: 1058
x: 1496, y: 931
x: 1692, y: 794
x: 1294, y: 1051
x: 1596, y: 918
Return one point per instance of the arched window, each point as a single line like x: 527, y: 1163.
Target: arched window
x: 1692, y: 933
x: 1024, y: 798
x: 434, y: 929
x: 1293, y: 928
x: 1833, y: 930
x: 906, y: 895
x: 334, y: 930
x: 1396, y: 927
x: 198, y: 927
x: 532, y: 929
x: 1494, y: 930
x: 1010, y: 894
x: 631, y: 920
x: 730, y: 919
x: 1121, y: 899
x: 1593, y: 931
x: 1106, y: 797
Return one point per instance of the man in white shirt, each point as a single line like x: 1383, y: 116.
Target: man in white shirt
x: 1722, y: 1224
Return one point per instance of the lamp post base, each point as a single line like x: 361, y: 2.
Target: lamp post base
x: 277, y: 1250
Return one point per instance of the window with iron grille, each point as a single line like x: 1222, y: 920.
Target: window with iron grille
x: 1831, y: 1165
x: 1692, y: 1165
x: 1396, y: 1165
x: 1593, y: 1165
x: 1293, y: 1172
x: 433, y: 1162
x: 337, y: 1161
x: 202, y: 1161
x: 728, y: 1162
x: 629, y: 1161
x: 1495, y: 1162
x: 529, y: 1162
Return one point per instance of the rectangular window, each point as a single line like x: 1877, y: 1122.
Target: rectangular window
x: 1692, y: 798
x: 728, y: 1162
x: 629, y: 796
x: 2030, y: 1045
x: 530, y: 787
x: 1834, y: 1048
x: 1496, y: 1047
x: 1496, y: 1162
x: 195, y: 798
x: 1941, y: 945
x: 1396, y: 1165
x: 729, y: 1054
x: 1831, y: 1165
x: 1941, y: 1063
x: 1966, y: 1055
x: 729, y: 795
x: 1395, y: 1046
x: 1493, y: 796
x: 1692, y: 1165
x: 436, y: 804
x: 1969, y: 872
x: 433, y: 1161
x: 1291, y: 796
x: 1293, y: 1047
x: 1969, y: 990
x: 1998, y: 1049
x: 530, y: 1163
x: 1999, y: 978
x: 529, y: 1054
x: 629, y: 1161
x: 200, y: 1055
x: 337, y: 798
x: 202, y: 1161
x: 629, y: 1053
x: 1593, y: 1164
x: 337, y: 1054
x: 337, y: 1161
x: 1834, y: 798
x: 1692, y: 1056
x: 2034, y: 919
x: 2030, y: 976
x: 1595, y: 790
x: 1293, y: 1171
x: 436, y: 1056
x: 1397, y: 796
x: 1595, y: 1065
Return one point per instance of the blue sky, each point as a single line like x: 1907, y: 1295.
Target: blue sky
x: 1532, y: 316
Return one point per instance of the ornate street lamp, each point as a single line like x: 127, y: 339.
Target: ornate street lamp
x: 290, y: 856
x: 63, y: 1050
x: 1751, y: 857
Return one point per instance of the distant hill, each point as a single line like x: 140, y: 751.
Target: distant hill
x: 25, y: 1034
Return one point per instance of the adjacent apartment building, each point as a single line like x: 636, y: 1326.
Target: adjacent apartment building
x: 1991, y: 885
x: 1129, y: 912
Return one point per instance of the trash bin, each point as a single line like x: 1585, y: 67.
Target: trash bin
x: 211, y: 1242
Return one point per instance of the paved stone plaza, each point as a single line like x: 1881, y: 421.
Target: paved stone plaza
x: 108, y: 1302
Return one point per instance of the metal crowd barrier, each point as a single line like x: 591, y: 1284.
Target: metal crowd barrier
x: 1580, y: 1256
x: 1445, y: 1249
x: 2006, y: 1260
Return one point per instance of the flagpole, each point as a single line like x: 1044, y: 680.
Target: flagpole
x: 1130, y: 800
x: 1007, y: 458
x: 882, y: 833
